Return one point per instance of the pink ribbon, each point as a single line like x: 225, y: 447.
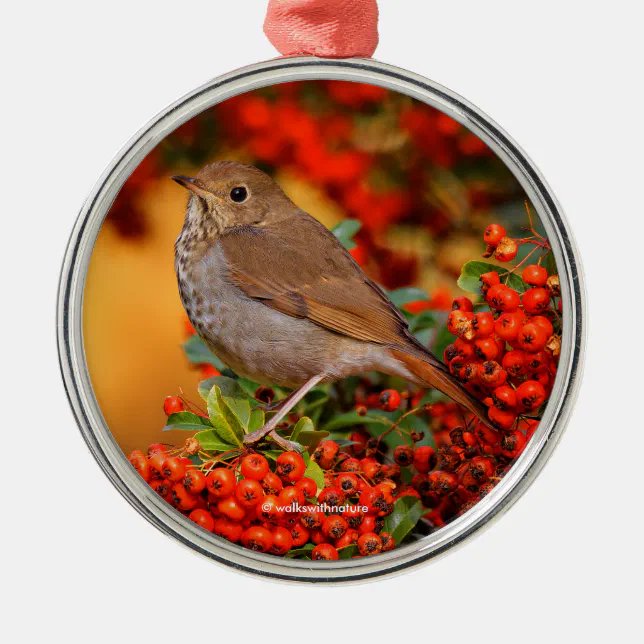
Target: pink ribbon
x: 324, y: 28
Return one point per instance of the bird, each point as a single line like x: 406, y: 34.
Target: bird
x: 275, y: 295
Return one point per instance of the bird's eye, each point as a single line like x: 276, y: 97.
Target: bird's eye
x: 239, y: 195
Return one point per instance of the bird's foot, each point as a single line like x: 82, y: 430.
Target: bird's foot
x: 250, y: 440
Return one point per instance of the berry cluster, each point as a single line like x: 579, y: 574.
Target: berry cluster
x: 278, y: 510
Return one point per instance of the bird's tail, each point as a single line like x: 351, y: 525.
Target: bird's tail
x: 433, y: 373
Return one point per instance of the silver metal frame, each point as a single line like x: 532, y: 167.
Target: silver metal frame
x: 96, y: 432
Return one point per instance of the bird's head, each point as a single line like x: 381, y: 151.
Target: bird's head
x: 228, y: 194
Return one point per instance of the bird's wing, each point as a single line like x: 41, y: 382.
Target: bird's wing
x: 296, y: 266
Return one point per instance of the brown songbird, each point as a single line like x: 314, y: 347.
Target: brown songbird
x: 275, y: 295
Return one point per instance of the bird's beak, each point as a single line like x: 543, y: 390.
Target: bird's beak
x: 194, y: 185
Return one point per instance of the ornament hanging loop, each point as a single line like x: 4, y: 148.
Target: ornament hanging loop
x: 323, y: 28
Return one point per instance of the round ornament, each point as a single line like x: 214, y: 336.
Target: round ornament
x: 321, y: 319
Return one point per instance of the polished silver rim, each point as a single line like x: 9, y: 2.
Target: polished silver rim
x: 88, y: 414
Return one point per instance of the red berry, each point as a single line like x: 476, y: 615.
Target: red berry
x: 141, y: 464
x: 324, y: 552
x: 536, y: 300
x: 506, y: 250
x: 195, y: 481
x: 231, y: 508
x: 173, y: 405
x: 326, y: 453
x: 249, y: 492
x: 257, y: 538
x: 486, y: 349
x: 403, y: 455
x: 291, y: 496
x: 503, y: 298
x: 173, y: 469
x: 290, y: 466
x: 182, y: 499
x: 483, y: 324
x: 424, y: 459
x: 515, y: 363
x: 513, y: 443
x: 508, y: 325
x: 532, y: 337
x: 504, y: 397
x: 538, y: 361
x: 462, y: 304
x: 308, y: 487
x: 350, y: 538
x: 270, y: 509
x: 157, y: 447
x: 221, y: 483
x: 331, y: 496
x: 531, y: 394
x: 488, y: 280
x: 492, y: 374
x: 203, y: 518
x: 388, y: 542
x: 300, y: 535
x: 228, y: 529
x: 493, y: 234
x: 501, y: 418
x: 535, y: 275
x: 353, y: 515
x: 334, y: 527
x: 544, y: 323
x: 390, y: 400
x: 282, y: 541
x: 348, y: 483
x: 271, y: 484
x: 460, y: 323
x: 369, y: 543
x: 312, y: 517
x: 163, y: 488
x: 254, y: 466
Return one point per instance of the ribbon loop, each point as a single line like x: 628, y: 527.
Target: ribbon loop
x: 324, y: 28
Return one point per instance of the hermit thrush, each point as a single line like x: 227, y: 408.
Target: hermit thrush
x: 275, y: 295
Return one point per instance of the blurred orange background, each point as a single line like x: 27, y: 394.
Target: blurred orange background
x: 423, y: 187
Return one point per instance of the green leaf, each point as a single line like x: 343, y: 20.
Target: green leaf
x: 442, y: 339
x: 407, y: 512
x: 424, y: 320
x: 229, y: 387
x: 343, y: 442
x: 345, y: 230
x: 351, y: 419
x: 303, y: 425
x: 257, y: 420
x: 210, y: 442
x: 299, y: 552
x: 314, y: 471
x: 272, y: 454
x: 348, y: 551
x: 187, y: 421
x: 241, y: 409
x: 224, y: 421
x: 317, y: 398
x: 471, y: 272
x: 198, y: 353
x: 402, y: 296
x: 549, y: 263
x: 311, y: 439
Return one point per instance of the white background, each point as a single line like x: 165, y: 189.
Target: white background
x: 564, y: 78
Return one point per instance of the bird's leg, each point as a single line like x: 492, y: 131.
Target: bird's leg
x: 278, y: 405
x: 286, y: 406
